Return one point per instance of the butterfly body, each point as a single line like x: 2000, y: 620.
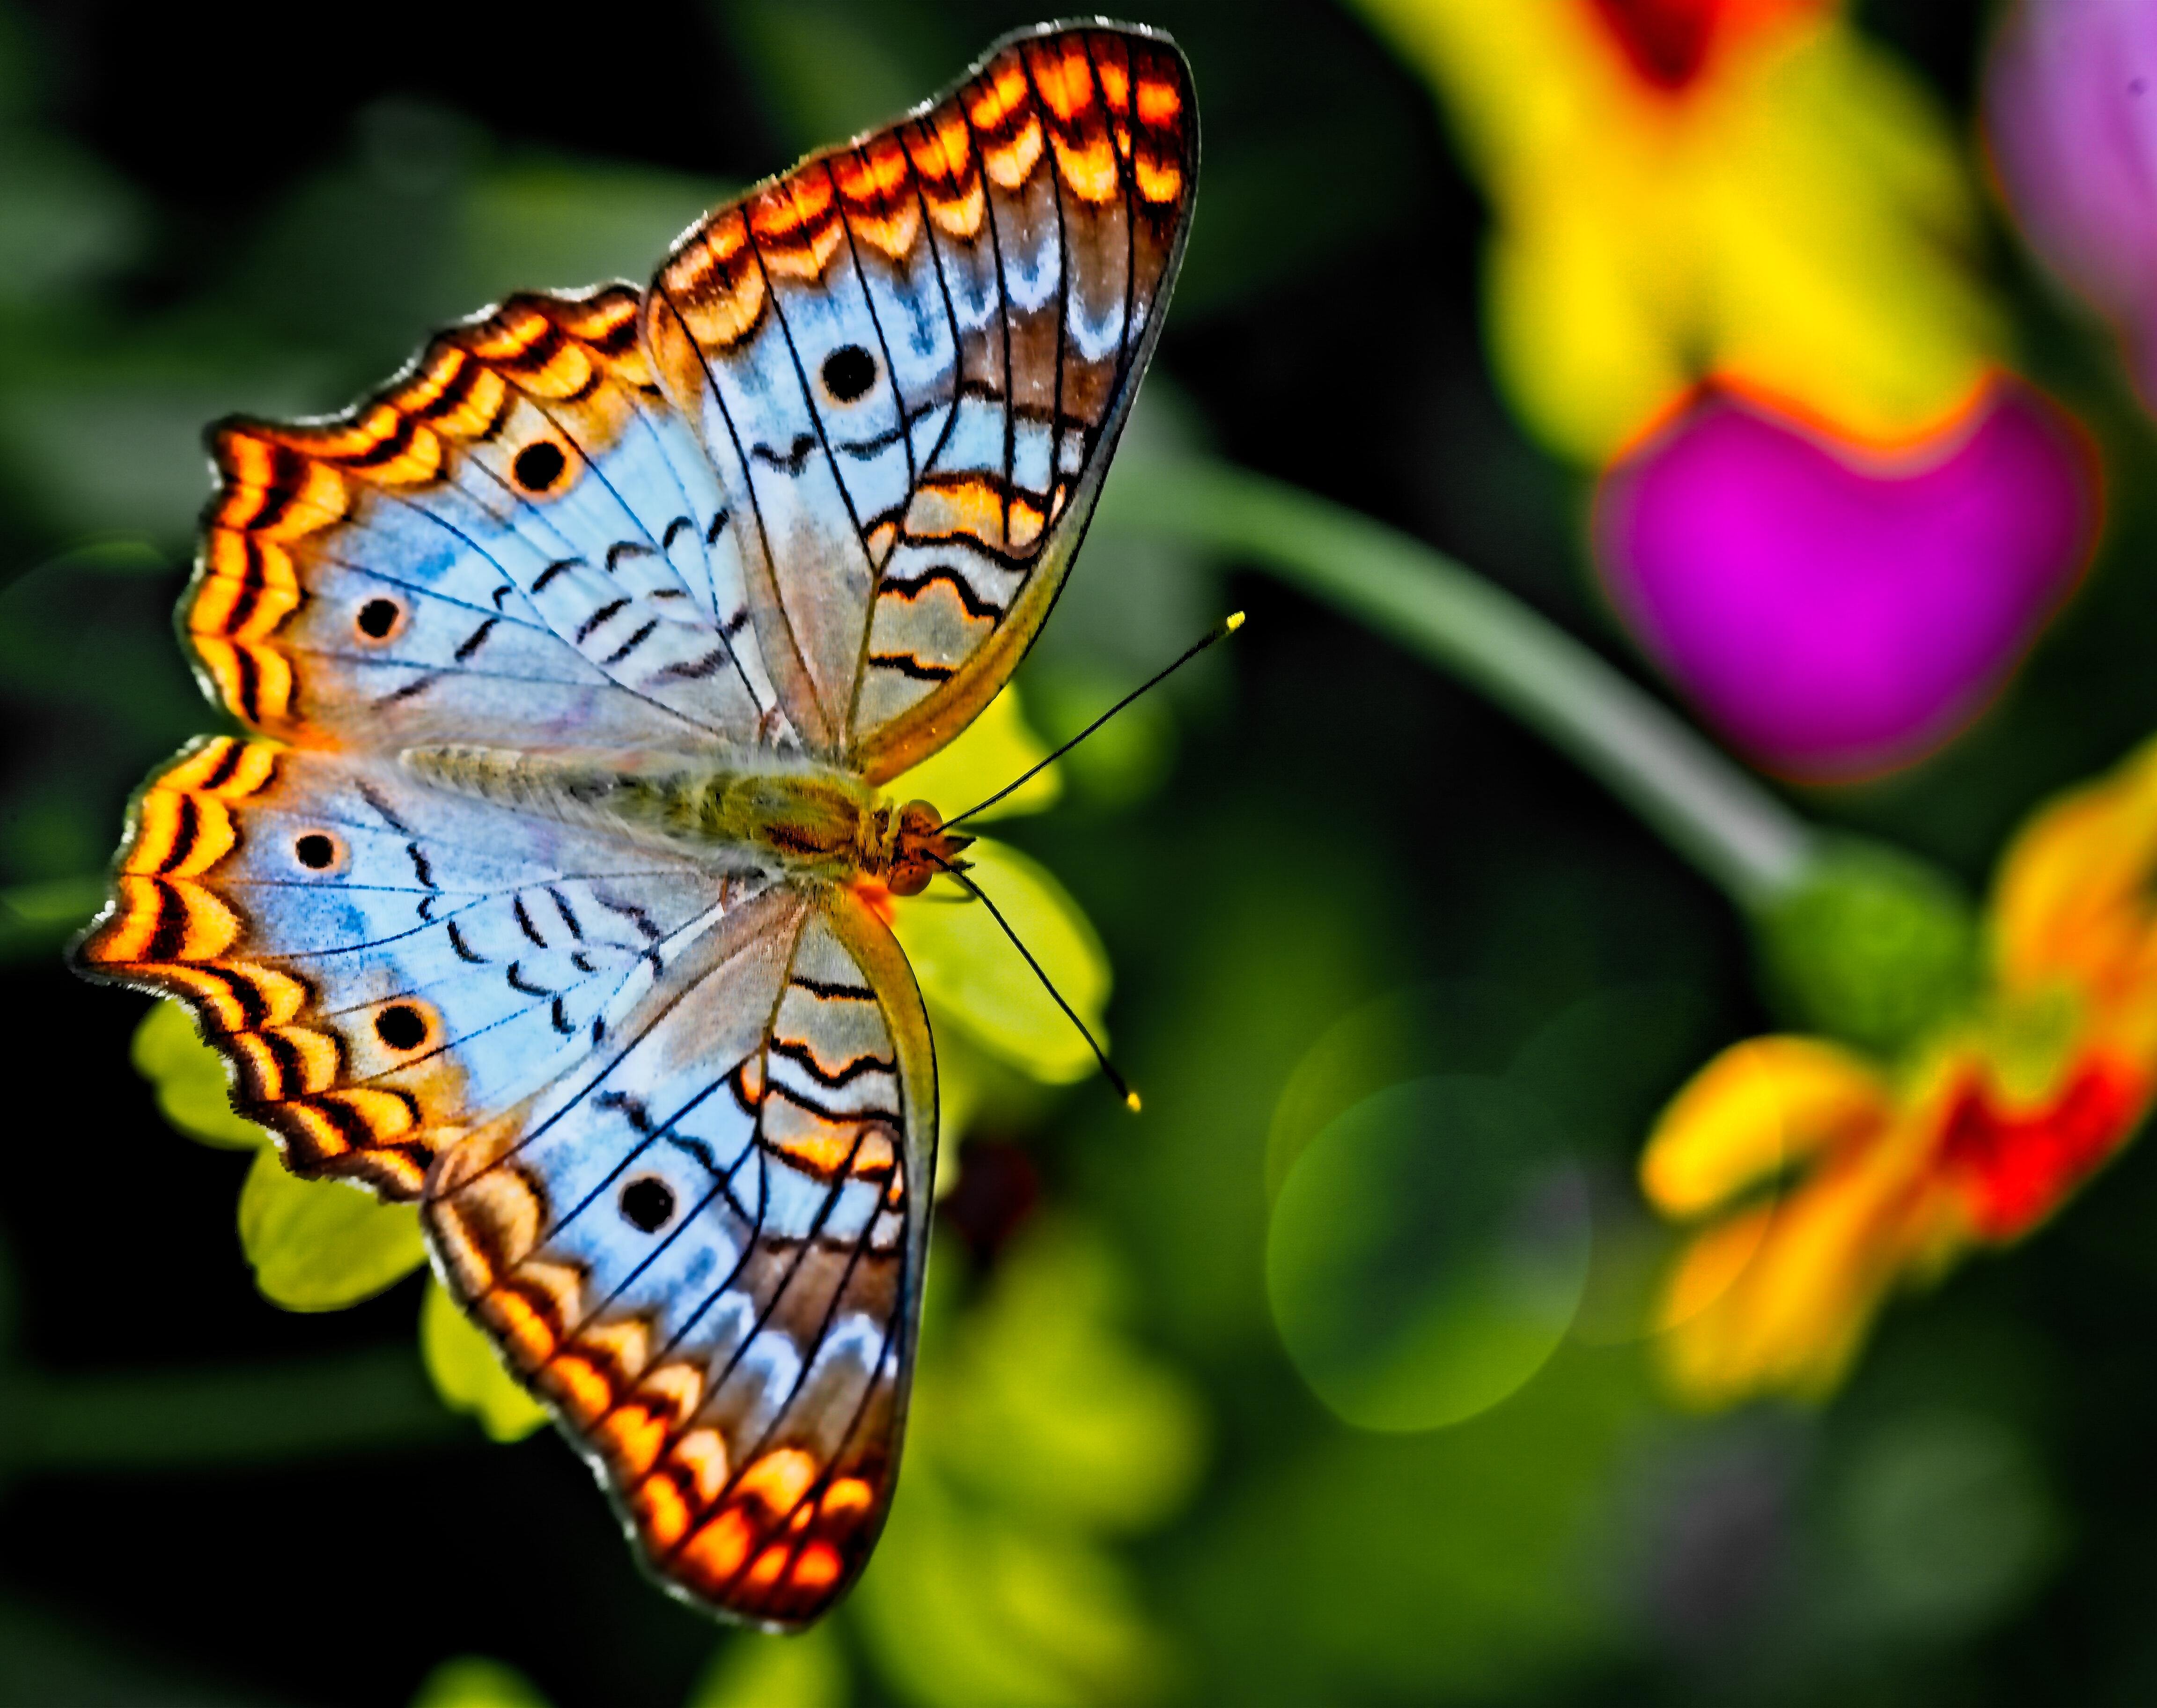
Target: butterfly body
x: 742, y: 810
x: 544, y: 887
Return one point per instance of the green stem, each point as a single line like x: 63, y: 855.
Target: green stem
x: 1709, y: 810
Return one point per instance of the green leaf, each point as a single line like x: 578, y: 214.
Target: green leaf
x: 755, y: 1671
x: 997, y: 747
x: 323, y: 1245
x: 1125, y: 759
x: 120, y: 447
x: 65, y: 220
x: 973, y: 978
x: 192, y: 1087
x: 468, y: 1373
x: 474, y: 1681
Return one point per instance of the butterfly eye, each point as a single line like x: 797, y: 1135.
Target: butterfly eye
x: 849, y: 372
x: 402, y: 1026
x: 648, y: 1203
x: 316, y: 849
x: 539, y: 467
x: 379, y: 618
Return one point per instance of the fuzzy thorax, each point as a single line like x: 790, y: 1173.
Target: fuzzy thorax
x: 737, y: 807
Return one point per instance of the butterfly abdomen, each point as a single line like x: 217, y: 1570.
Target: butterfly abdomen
x: 737, y: 807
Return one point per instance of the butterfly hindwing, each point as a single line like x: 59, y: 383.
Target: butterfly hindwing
x: 517, y: 536
x: 912, y: 356
x: 705, y: 1247
x: 378, y: 960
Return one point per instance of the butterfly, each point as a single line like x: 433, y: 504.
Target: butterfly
x: 547, y: 888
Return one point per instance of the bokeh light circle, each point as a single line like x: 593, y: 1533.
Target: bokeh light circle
x: 1427, y: 1252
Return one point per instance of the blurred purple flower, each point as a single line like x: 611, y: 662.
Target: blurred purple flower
x: 2071, y: 115
x: 1838, y: 610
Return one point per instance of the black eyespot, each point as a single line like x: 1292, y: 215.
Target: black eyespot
x: 647, y: 1204
x: 849, y: 372
x: 316, y: 851
x: 401, y: 1027
x: 378, y: 617
x: 538, y: 466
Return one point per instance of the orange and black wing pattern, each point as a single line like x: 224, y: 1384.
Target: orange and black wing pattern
x: 910, y: 358
x: 516, y: 537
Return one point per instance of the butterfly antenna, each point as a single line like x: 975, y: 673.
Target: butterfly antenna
x: 1108, y: 1068
x: 1220, y: 631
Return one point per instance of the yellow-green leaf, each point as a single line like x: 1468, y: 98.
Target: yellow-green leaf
x: 474, y: 1681
x: 972, y: 978
x: 192, y: 1084
x: 323, y: 1245
x: 468, y: 1375
x: 755, y: 1671
x: 997, y: 747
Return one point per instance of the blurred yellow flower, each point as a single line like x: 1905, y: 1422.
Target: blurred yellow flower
x: 1983, y: 1127
x: 1682, y: 189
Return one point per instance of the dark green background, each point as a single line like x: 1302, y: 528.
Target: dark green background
x: 269, y: 191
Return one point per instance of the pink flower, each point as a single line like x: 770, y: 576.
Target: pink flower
x: 1837, y: 610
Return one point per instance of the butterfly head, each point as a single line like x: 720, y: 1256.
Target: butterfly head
x: 912, y: 847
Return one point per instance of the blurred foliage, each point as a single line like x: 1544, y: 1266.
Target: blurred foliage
x: 988, y: 990
x: 808, y: 1671
x: 1036, y: 1434
x: 1404, y: 993
x: 471, y: 1681
x: 1421, y: 1264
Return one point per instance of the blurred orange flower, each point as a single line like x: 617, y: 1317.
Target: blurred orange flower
x: 1893, y: 1173
x: 1683, y: 189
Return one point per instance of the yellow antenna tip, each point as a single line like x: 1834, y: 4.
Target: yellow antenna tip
x: 1131, y: 1100
x: 1235, y: 621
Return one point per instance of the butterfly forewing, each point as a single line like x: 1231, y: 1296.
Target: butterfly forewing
x: 912, y: 356
x: 706, y: 1250
x: 518, y: 537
